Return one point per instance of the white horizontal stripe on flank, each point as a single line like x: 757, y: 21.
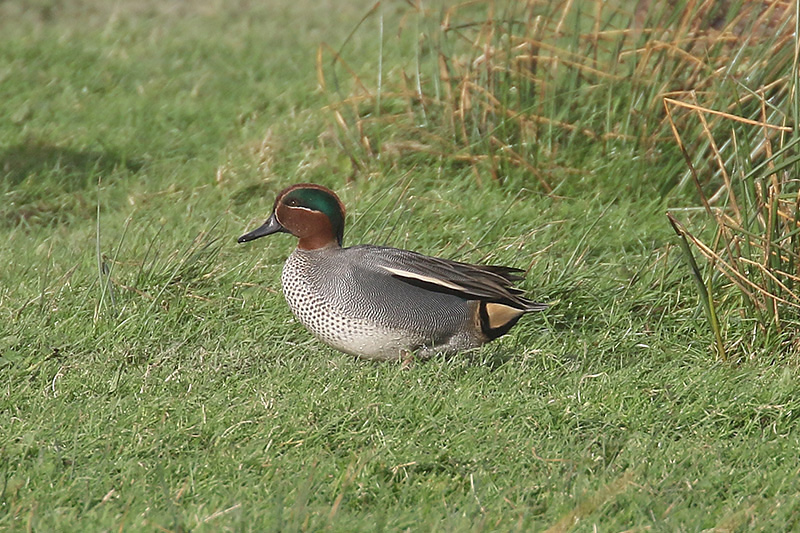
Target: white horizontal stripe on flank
x: 421, y: 277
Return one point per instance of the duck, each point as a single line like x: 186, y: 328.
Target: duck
x: 382, y: 303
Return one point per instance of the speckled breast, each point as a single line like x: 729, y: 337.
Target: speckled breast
x: 319, y: 309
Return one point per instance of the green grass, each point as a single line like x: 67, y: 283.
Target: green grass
x: 151, y: 375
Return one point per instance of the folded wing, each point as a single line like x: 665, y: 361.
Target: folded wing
x: 486, y: 283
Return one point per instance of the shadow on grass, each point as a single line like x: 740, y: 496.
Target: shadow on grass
x: 43, y: 182
x: 38, y: 158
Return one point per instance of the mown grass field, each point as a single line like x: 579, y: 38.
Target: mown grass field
x: 153, y: 379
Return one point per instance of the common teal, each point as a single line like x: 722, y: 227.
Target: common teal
x: 384, y: 303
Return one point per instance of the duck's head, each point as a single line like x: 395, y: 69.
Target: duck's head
x: 312, y: 213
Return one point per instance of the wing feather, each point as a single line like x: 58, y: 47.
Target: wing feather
x: 489, y: 283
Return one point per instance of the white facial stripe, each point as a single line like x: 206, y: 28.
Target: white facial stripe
x: 301, y: 208
x: 426, y: 279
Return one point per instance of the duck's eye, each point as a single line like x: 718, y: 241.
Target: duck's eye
x: 292, y: 202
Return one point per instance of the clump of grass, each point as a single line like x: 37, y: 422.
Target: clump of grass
x: 514, y: 88
x: 183, y: 273
x: 740, y: 146
x: 753, y: 249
